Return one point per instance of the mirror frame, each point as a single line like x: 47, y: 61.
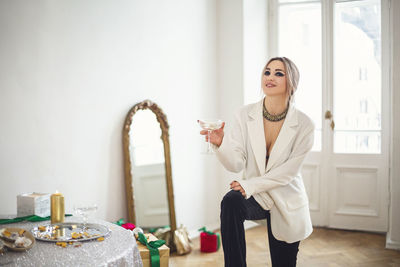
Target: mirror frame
x: 162, y: 119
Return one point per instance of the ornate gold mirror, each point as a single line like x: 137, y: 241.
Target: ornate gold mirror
x: 147, y: 166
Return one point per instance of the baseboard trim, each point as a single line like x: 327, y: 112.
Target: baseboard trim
x: 391, y: 244
x: 250, y: 224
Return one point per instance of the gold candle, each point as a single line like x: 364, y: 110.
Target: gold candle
x: 57, y: 208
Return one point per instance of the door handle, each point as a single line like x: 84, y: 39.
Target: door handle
x: 332, y: 125
x: 329, y: 116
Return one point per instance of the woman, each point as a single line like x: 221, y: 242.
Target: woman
x: 268, y: 141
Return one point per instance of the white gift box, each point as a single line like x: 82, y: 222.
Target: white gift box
x: 33, y: 204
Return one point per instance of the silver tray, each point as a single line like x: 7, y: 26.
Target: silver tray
x: 69, y: 232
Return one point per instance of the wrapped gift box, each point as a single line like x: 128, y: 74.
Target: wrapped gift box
x: 209, y: 242
x: 145, y: 253
x: 33, y: 204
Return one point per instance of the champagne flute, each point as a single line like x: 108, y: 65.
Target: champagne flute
x: 210, y: 125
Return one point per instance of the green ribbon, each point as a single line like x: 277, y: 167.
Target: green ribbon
x: 218, y: 241
x: 120, y: 222
x: 29, y: 218
x: 153, y: 248
x: 204, y: 230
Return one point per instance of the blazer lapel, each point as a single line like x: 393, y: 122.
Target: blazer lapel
x: 255, y: 128
x: 285, y: 135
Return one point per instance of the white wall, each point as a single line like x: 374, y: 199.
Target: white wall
x: 69, y: 73
x: 242, y: 49
x: 230, y: 71
x: 393, y: 236
x: 255, y: 49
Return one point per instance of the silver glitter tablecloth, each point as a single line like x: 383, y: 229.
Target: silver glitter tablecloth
x: 118, y: 249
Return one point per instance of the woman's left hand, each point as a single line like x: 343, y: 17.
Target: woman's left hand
x: 237, y: 187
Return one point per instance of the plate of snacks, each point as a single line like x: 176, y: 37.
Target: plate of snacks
x: 17, y: 239
x: 69, y: 232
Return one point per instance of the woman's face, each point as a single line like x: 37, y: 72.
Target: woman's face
x: 273, y: 81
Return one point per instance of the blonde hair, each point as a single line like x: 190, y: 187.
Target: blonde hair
x: 292, y: 75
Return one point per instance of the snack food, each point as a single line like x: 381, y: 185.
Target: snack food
x: 8, y: 235
x: 16, y: 239
x: 62, y: 244
x: 22, y: 242
x: 76, y: 235
x: 66, y: 232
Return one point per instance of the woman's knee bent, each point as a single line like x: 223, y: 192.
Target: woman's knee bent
x: 232, y: 199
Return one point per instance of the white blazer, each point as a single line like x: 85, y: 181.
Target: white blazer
x: 277, y: 187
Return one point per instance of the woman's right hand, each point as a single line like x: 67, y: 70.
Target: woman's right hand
x: 216, y: 136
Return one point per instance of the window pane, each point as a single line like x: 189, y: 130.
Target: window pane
x: 361, y: 142
x: 300, y: 40
x: 357, y: 77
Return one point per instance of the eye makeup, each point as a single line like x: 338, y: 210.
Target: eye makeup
x: 278, y: 73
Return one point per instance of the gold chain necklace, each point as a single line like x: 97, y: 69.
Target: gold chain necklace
x: 278, y: 117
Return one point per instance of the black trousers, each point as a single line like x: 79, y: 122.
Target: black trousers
x: 235, y: 209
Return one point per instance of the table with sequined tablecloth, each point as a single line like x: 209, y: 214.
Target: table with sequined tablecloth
x: 119, y: 248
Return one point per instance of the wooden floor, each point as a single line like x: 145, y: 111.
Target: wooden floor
x: 325, y: 247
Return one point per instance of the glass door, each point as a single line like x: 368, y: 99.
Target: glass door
x: 358, y: 174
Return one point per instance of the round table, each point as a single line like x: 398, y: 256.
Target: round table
x: 118, y: 249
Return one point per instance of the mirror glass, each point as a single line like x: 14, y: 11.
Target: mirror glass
x: 149, y: 185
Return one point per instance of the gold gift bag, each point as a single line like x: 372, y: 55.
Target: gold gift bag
x: 182, y: 241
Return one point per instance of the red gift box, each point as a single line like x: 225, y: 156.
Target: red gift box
x: 209, y: 241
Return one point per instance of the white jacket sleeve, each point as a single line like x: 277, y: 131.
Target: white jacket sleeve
x: 283, y: 174
x: 232, y: 153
